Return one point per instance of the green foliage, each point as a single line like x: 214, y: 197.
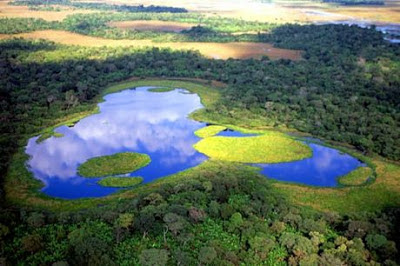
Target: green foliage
x: 329, y: 93
x: 120, y: 181
x: 119, y: 163
x: 157, y: 227
x: 19, y: 25
x: 207, y: 255
x: 154, y: 257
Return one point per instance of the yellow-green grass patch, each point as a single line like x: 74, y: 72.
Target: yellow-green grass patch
x: 119, y: 163
x: 271, y: 147
x: 113, y: 181
x: 357, y: 177
x: 209, y: 131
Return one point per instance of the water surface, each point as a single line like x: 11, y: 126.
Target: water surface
x: 322, y: 169
x: 132, y: 120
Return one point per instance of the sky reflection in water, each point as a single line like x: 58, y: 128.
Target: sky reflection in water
x: 156, y: 124
x: 131, y: 120
x: 322, y: 169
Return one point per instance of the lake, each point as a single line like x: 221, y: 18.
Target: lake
x: 132, y: 120
x: 156, y: 124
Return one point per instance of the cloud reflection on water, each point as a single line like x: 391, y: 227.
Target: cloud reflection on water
x: 322, y: 169
x: 131, y: 120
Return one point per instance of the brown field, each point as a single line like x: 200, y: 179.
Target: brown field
x: 280, y: 11
x: 9, y: 11
x: 152, y: 25
x: 238, y: 50
x: 379, y: 14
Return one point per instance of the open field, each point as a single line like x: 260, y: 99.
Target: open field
x: 238, y: 50
x: 11, y: 11
x: 152, y: 25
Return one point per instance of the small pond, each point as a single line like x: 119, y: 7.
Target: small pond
x: 156, y: 124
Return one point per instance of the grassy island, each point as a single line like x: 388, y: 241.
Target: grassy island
x: 272, y: 147
x: 119, y: 163
x: 113, y: 181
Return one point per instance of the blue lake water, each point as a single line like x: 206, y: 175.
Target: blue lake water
x: 322, y: 169
x: 156, y: 124
x: 132, y: 120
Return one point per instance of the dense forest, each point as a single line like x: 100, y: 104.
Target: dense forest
x: 345, y: 89
x: 224, y: 217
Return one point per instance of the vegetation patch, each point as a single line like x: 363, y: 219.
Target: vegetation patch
x: 152, y: 25
x: 272, y: 147
x: 357, y: 177
x: 49, y: 134
x: 119, y: 163
x: 209, y: 131
x: 237, y: 50
x: 161, y: 89
x: 113, y: 181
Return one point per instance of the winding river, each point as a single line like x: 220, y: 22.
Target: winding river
x: 157, y: 124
